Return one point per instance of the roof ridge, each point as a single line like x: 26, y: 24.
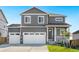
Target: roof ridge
x: 33, y: 9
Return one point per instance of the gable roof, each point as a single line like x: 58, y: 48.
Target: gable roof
x: 76, y: 32
x: 3, y: 16
x: 34, y: 10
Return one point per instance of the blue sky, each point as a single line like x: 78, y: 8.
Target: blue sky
x: 12, y: 13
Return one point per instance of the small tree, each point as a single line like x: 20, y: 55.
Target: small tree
x: 66, y: 36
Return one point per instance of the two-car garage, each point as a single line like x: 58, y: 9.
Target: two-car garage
x: 34, y: 37
x: 28, y: 37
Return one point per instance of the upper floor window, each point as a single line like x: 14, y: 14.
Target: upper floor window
x: 40, y: 19
x: 27, y: 19
x: 59, y: 19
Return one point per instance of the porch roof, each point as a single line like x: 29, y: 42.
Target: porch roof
x: 58, y: 25
x: 14, y: 26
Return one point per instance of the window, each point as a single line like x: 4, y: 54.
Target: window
x: 37, y: 33
x: 60, y: 31
x: 40, y: 19
x: 59, y: 19
x: 11, y: 34
x: 17, y: 34
x: 31, y: 33
x: 27, y: 19
x: 25, y: 33
x: 41, y: 33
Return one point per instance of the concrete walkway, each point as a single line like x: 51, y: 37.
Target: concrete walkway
x: 23, y: 48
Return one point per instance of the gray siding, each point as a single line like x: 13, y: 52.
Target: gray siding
x: 33, y: 30
x: 52, y: 20
x: 34, y: 20
x: 75, y: 36
x: 13, y: 29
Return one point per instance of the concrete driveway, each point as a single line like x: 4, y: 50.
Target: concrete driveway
x: 23, y: 48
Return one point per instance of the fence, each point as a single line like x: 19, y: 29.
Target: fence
x: 74, y: 42
x: 3, y: 40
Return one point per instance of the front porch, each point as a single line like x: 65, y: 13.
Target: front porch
x: 54, y: 34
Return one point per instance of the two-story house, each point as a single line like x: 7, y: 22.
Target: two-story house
x: 3, y: 25
x: 37, y: 27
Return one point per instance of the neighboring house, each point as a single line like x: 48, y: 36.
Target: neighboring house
x: 37, y: 27
x: 3, y: 25
x: 75, y: 35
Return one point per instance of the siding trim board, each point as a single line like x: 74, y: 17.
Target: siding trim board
x: 57, y: 25
x: 13, y: 27
x: 32, y: 26
x: 34, y: 14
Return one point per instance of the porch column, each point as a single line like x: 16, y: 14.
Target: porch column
x: 55, y: 33
x: 47, y: 34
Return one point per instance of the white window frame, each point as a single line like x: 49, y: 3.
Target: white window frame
x: 25, y: 20
x: 59, y: 18
x: 43, y: 20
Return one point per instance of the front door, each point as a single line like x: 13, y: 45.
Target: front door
x: 51, y: 34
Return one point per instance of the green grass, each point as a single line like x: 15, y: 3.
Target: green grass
x: 53, y: 48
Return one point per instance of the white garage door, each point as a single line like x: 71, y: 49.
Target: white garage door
x: 14, y: 38
x: 34, y: 38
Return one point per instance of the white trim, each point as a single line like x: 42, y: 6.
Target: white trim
x: 52, y: 33
x: 47, y: 35
x: 34, y: 14
x: 20, y: 31
x: 25, y: 20
x: 43, y: 26
x: 13, y: 27
x: 43, y: 20
x: 28, y: 27
x: 57, y: 25
x: 34, y: 26
x: 55, y: 33
x: 47, y: 19
x: 59, y: 18
x: 13, y: 32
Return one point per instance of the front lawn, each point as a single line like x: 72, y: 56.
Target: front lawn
x: 54, y: 48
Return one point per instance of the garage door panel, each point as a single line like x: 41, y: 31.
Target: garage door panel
x: 14, y: 38
x: 34, y: 38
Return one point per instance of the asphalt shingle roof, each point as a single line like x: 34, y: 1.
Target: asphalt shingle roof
x: 14, y: 25
x: 53, y: 14
x: 34, y: 10
x: 76, y: 32
x: 58, y: 24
